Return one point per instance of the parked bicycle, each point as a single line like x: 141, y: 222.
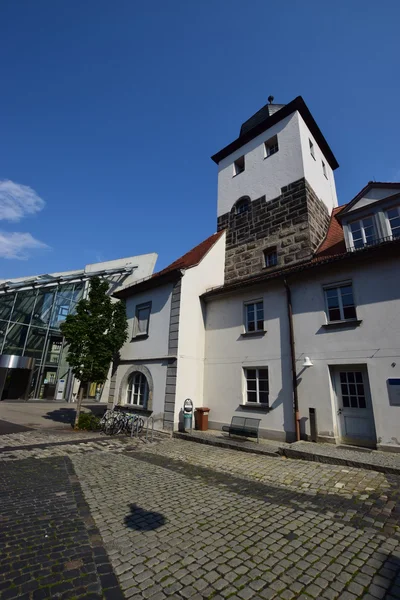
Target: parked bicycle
x: 114, y: 422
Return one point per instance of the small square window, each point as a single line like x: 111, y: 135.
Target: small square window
x: 340, y: 303
x: 142, y: 319
x: 271, y: 146
x: 271, y: 257
x: 254, y: 313
x: 238, y: 166
x: 311, y: 149
x: 257, y: 385
x: 324, y: 169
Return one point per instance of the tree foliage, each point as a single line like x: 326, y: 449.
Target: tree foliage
x: 95, y: 333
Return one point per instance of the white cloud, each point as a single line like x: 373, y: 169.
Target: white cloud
x: 15, y: 244
x: 18, y: 201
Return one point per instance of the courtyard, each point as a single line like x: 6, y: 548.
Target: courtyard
x: 85, y: 516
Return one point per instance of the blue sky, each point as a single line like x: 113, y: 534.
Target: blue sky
x: 110, y: 111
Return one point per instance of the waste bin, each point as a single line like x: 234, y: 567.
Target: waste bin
x: 187, y: 421
x: 201, y: 418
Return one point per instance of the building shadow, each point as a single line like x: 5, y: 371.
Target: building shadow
x: 143, y: 520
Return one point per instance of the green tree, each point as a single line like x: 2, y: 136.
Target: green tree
x: 94, y: 335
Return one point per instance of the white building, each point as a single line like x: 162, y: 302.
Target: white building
x: 289, y: 276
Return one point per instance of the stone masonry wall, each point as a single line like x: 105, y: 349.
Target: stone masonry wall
x: 295, y: 223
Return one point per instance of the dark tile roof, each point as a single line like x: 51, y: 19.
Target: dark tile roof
x: 270, y: 120
x: 173, y: 271
x: 261, y: 115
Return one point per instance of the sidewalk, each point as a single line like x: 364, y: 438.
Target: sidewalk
x: 383, y: 462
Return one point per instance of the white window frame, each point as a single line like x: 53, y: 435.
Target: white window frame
x: 337, y: 286
x: 246, y: 319
x: 311, y: 146
x: 267, y: 253
x: 324, y: 169
x: 363, y: 236
x: 271, y: 146
x: 139, y: 307
x: 142, y: 399
x: 237, y: 169
x: 257, y: 390
x: 388, y: 224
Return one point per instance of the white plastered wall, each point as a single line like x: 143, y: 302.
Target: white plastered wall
x: 324, y: 187
x: 375, y: 343
x: 228, y: 352
x: 262, y: 176
x: 191, y: 345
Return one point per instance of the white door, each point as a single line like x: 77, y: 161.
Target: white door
x: 354, y: 409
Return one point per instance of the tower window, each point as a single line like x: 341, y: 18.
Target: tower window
x: 271, y: 146
x: 324, y: 169
x: 311, y: 149
x: 242, y: 205
x: 238, y: 166
x: 271, y: 257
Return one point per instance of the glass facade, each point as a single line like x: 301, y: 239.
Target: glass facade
x: 30, y: 322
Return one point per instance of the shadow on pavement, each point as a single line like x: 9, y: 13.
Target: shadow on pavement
x: 143, y: 520
x: 6, y: 427
x: 61, y: 415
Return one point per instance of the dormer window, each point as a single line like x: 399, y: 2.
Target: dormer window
x: 238, y: 166
x: 362, y: 232
x: 393, y: 218
x: 311, y: 148
x: 242, y: 205
x: 271, y: 146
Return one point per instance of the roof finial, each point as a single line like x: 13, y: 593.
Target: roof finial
x: 270, y: 99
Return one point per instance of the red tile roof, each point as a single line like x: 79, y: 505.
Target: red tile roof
x: 333, y: 243
x: 172, y: 272
x: 193, y: 257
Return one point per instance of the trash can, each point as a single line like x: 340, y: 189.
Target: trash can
x: 201, y: 418
x: 187, y: 421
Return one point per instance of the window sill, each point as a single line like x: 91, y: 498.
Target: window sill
x: 342, y: 324
x: 255, y: 406
x: 139, y: 336
x: 134, y: 408
x: 250, y: 334
x: 269, y: 155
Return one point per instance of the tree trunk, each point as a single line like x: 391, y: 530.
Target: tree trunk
x: 78, y: 406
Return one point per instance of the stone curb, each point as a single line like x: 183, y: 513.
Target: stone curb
x: 292, y: 453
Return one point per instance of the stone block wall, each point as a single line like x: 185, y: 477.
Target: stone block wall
x: 294, y: 223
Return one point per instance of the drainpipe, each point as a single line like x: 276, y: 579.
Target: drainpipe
x: 296, y: 413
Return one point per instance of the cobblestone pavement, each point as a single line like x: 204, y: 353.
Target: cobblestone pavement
x: 181, y: 520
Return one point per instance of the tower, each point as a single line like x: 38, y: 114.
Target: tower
x: 276, y: 190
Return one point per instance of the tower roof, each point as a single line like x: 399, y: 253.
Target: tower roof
x: 268, y: 116
x: 261, y: 115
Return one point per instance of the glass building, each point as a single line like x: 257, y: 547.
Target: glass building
x: 33, y: 353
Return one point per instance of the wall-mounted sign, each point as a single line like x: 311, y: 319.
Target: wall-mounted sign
x: 394, y: 391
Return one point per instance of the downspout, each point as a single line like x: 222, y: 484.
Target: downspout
x: 296, y: 413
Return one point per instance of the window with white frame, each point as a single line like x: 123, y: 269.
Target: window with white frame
x: 238, y: 166
x: 393, y: 217
x: 340, y: 302
x: 257, y: 385
x: 271, y: 146
x: 142, y: 319
x: 271, y: 257
x: 362, y: 232
x: 254, y: 315
x: 311, y: 149
x: 137, y: 392
x: 324, y: 169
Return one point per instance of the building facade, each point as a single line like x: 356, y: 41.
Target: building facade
x: 292, y: 315
x: 32, y: 350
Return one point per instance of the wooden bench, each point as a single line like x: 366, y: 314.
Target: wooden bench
x: 243, y: 426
